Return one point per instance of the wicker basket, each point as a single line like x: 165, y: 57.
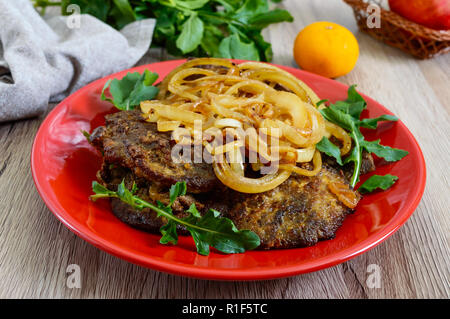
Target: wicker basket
x: 413, y: 38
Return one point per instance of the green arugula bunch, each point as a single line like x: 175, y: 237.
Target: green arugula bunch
x: 347, y: 114
x: 216, y: 28
x: 207, y: 230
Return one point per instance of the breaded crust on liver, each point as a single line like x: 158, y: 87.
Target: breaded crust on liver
x: 298, y: 213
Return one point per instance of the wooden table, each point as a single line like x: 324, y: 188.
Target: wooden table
x: 35, y: 248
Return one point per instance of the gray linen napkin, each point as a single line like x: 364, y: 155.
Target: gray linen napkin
x: 44, y: 60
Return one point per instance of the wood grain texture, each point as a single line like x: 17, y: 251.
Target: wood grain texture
x: 35, y: 248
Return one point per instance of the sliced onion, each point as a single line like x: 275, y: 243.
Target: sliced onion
x: 227, y: 122
x: 257, y: 65
x: 175, y: 85
x: 229, y: 147
x: 288, y: 132
x: 190, y: 64
x: 233, y: 102
x: 347, y: 196
x: 317, y: 161
x: 291, y: 104
x: 225, y: 112
x: 341, y: 135
x: 243, y: 184
x: 236, y: 161
x: 166, y: 126
x: 171, y: 112
x: 252, y: 85
x: 305, y: 155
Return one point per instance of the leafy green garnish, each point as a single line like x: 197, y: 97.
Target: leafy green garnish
x: 207, y: 230
x: 321, y: 102
x: 347, y: 115
x: 388, y: 153
x: 233, y: 47
x: 131, y: 90
x: 177, y: 190
x: 191, y: 34
x: 373, y: 123
x: 325, y: 146
x: 192, y: 27
x: 377, y: 181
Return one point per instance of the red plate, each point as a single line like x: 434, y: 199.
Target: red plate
x: 64, y: 164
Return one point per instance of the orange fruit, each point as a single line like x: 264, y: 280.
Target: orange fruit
x: 327, y: 49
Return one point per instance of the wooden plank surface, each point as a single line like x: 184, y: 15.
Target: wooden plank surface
x: 35, y: 248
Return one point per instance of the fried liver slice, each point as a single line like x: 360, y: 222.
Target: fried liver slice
x: 129, y: 141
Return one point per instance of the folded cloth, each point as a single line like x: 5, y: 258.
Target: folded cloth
x: 45, y: 59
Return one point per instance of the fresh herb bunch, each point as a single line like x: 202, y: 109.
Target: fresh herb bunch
x: 216, y: 28
x: 347, y: 114
x: 207, y: 230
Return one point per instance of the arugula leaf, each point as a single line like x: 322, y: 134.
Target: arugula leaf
x: 193, y: 210
x: 233, y: 47
x: 354, y: 109
x: 211, y: 40
x: 100, y: 191
x: 388, y: 153
x: 250, y: 9
x: 169, y: 233
x: 347, y: 115
x: 225, y: 237
x: 176, y: 190
x: 264, y: 47
x: 337, y: 116
x: 265, y: 19
x: 165, y: 24
x: 376, y: 181
x: 131, y: 90
x: 353, y: 105
x: 208, y: 230
x: 191, y: 34
x: 325, y: 146
x: 373, y: 123
x: 191, y: 4
x: 228, y: 5
x: 122, y: 12
x: 353, y: 96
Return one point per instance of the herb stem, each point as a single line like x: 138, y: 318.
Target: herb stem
x: 355, y: 176
x: 143, y: 203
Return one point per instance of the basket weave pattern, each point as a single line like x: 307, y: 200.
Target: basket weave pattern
x: 413, y: 38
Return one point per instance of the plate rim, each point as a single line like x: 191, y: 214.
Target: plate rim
x: 249, y: 274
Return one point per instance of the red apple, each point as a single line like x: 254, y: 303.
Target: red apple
x: 430, y: 13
